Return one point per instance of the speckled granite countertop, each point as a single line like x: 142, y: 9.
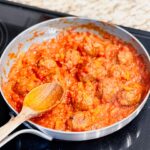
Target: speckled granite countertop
x: 131, y: 13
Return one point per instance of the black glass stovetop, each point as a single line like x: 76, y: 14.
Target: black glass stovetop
x: 15, y: 18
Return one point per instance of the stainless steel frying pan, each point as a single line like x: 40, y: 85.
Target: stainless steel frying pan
x: 50, y: 29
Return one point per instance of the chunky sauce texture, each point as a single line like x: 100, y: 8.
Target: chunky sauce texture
x: 103, y: 77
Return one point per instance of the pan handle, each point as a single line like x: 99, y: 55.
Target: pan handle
x: 24, y: 131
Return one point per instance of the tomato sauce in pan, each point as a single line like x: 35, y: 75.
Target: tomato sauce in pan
x: 104, y: 79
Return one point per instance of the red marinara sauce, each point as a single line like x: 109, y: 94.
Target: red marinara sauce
x: 104, y: 79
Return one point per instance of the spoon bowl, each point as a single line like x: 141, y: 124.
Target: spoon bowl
x: 43, y: 97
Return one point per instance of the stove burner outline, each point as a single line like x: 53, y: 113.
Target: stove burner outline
x: 3, y: 36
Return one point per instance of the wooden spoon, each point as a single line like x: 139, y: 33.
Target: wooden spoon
x: 37, y: 101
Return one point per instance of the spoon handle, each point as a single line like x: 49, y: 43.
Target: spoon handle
x: 13, y: 123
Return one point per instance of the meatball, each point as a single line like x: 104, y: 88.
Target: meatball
x: 120, y: 72
x: 94, y: 49
x: 46, y: 67
x: 84, y: 96
x: 85, y: 101
x: 111, y: 51
x: 80, y: 121
x: 110, y: 87
x: 125, y: 56
x: 96, y: 68
x: 93, y: 46
x: 47, y: 63
x: 130, y: 96
x: 73, y: 58
x: 100, y: 115
x: 24, y: 85
x: 26, y: 81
